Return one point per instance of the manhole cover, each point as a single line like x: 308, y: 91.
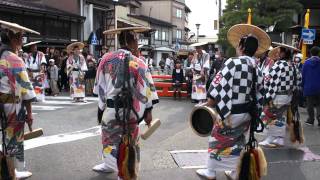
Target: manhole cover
x: 189, y: 159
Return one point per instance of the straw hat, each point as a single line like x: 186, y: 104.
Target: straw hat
x: 238, y: 31
x: 32, y: 43
x: 16, y: 27
x: 286, y: 46
x: 71, y: 46
x: 199, y: 44
x: 274, y: 53
x: 137, y: 29
x: 51, y: 60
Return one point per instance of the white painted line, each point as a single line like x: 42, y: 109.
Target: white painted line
x: 69, y: 98
x: 52, y: 102
x: 62, y: 138
x: 194, y: 167
x: 46, y: 108
x: 188, y: 151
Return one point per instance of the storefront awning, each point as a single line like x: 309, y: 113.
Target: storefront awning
x: 164, y: 49
x: 128, y: 23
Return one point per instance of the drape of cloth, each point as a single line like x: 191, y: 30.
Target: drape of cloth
x: 77, y: 84
x: 277, y: 125
x: 226, y: 142
x: 199, y: 91
x: 38, y: 81
x: 108, y: 85
x: 14, y: 90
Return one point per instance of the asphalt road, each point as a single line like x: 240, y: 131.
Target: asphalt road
x: 71, y: 145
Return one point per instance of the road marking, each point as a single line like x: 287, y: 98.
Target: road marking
x: 46, y: 108
x: 62, y: 138
x: 69, y: 98
x: 52, y: 102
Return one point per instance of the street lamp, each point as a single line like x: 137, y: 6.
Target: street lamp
x: 198, y: 26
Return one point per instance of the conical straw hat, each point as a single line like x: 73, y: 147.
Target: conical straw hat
x: 238, y: 31
x: 16, y: 27
x: 71, y: 46
x: 274, y: 53
x: 286, y: 46
x: 32, y: 43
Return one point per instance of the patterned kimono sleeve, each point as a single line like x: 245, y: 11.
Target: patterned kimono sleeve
x: 221, y: 88
x: 272, y: 80
x: 27, y: 92
x: 260, y: 89
x: 151, y: 91
x: 100, y: 89
x: 69, y: 64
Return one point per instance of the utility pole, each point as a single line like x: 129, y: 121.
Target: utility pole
x: 198, y: 26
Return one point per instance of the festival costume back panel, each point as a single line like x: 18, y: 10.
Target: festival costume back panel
x: 108, y: 84
x: 232, y: 86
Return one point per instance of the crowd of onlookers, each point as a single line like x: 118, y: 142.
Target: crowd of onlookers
x: 55, y: 68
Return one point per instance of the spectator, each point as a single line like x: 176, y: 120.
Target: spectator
x: 90, y: 76
x: 177, y: 79
x: 168, y: 65
x: 50, y: 54
x: 162, y: 65
x: 53, y: 74
x: 189, y: 73
x: 64, y: 82
x: 310, y: 84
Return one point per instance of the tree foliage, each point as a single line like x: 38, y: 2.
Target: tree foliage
x: 265, y: 13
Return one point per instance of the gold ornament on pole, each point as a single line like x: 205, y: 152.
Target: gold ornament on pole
x: 249, y: 16
x: 306, y: 26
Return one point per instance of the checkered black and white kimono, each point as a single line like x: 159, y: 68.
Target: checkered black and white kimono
x: 279, y: 84
x: 230, y: 87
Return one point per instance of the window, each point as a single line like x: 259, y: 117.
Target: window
x: 164, y: 36
x: 215, y: 25
x: 156, y: 35
x: 179, y: 13
x: 179, y: 34
x: 132, y: 10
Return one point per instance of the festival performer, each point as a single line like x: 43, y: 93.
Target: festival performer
x: 201, y: 67
x: 279, y: 85
x: 36, y: 65
x: 76, y: 68
x: 16, y: 95
x: 121, y: 91
x: 230, y: 93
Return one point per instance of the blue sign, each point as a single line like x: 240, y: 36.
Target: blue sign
x: 94, y: 39
x: 309, y: 34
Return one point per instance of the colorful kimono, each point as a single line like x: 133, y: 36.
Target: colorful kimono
x: 109, y: 82
x: 200, y: 66
x: 76, y: 67
x: 231, y: 89
x: 15, y: 88
x: 37, y: 76
x: 279, y: 84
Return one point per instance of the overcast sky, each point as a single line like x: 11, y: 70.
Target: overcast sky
x: 203, y: 12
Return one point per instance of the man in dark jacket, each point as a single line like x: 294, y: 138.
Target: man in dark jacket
x: 311, y: 85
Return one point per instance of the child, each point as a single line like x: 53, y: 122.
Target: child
x: 53, y: 77
x: 177, y: 79
x: 90, y: 77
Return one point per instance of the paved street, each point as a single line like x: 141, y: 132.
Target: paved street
x: 71, y: 145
